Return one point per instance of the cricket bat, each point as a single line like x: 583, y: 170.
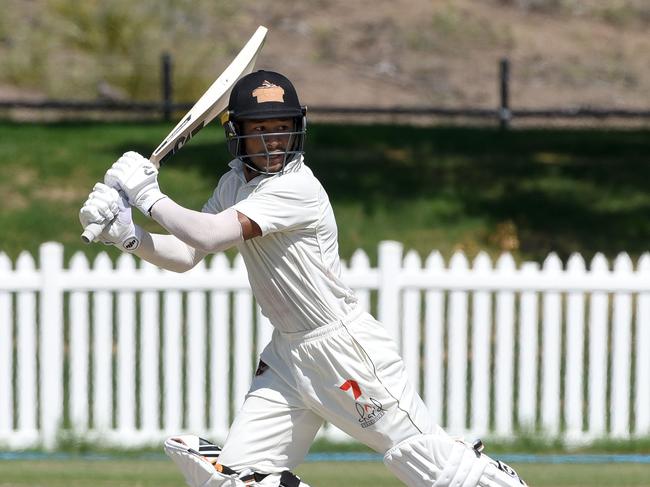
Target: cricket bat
x: 211, y: 104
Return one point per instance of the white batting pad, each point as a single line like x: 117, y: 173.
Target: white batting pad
x: 498, y: 474
x: 440, y: 461
x: 419, y: 460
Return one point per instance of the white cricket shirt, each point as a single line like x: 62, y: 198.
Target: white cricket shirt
x: 293, y: 268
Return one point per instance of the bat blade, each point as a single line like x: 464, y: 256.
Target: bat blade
x: 212, y: 103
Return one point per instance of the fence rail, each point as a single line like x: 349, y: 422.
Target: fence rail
x: 503, y: 114
x: 128, y: 354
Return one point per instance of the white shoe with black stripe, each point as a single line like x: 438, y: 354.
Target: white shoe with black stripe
x: 209, y: 450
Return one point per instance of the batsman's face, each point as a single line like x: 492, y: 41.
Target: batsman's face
x: 273, y: 139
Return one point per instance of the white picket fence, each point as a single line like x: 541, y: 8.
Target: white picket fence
x: 128, y: 354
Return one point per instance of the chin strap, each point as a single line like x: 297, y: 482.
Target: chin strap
x: 254, y: 169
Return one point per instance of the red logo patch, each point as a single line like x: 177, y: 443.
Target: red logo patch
x: 351, y: 384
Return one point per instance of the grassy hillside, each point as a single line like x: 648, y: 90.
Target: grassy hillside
x: 526, y: 191
x: 367, y: 52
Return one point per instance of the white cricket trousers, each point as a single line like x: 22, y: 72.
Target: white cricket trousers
x: 348, y: 373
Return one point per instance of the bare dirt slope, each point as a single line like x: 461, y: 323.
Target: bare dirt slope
x: 341, y: 52
x: 446, y: 53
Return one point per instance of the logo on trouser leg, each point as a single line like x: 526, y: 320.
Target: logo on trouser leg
x: 369, y: 414
x: 370, y: 411
x: 351, y: 384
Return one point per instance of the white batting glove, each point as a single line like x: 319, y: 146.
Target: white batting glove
x: 106, y: 206
x: 138, y: 178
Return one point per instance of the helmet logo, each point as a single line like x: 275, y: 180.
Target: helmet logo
x: 268, y: 92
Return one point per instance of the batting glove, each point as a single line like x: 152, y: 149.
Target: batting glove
x: 138, y: 178
x: 106, y: 206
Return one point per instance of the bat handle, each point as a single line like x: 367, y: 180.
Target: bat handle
x: 91, y: 232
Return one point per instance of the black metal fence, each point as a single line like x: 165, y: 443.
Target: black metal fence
x: 502, y: 114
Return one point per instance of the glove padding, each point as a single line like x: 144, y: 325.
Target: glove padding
x: 108, y: 207
x: 138, y: 178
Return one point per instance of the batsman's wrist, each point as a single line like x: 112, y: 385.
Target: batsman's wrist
x: 132, y: 241
x: 130, y: 245
x: 150, y: 198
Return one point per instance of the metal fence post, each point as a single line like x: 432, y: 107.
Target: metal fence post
x: 167, y: 86
x: 505, y: 116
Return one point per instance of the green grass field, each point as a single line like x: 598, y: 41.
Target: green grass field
x: 162, y: 473
x: 527, y: 191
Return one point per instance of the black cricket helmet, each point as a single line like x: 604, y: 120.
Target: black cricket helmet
x: 264, y: 95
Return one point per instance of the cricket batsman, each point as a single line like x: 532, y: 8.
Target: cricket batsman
x: 328, y: 359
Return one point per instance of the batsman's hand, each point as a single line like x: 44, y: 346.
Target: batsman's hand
x: 106, y: 206
x: 138, y: 179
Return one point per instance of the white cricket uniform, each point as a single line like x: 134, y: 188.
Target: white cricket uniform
x: 328, y: 359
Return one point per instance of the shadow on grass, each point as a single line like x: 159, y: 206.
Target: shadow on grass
x: 562, y: 190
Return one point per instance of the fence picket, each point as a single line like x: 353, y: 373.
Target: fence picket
x: 481, y: 328
x: 598, y: 313
x: 457, y: 351
x: 26, y: 352
x: 390, y: 258
x: 196, y: 356
x: 433, y: 342
x: 360, y: 266
x: 411, y: 324
x: 642, y: 392
x: 528, y: 350
x: 504, y: 350
x: 149, y: 353
x: 79, y: 347
x: 551, y: 346
x: 574, y: 369
x: 51, y: 343
x: 621, y: 353
x: 102, y: 351
x: 6, y: 353
x: 172, y: 363
x: 126, y: 321
x: 220, y: 352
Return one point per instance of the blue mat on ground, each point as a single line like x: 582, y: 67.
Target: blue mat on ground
x: 346, y: 457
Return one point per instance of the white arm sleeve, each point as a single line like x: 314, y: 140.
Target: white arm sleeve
x: 203, y: 231
x: 167, y: 251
